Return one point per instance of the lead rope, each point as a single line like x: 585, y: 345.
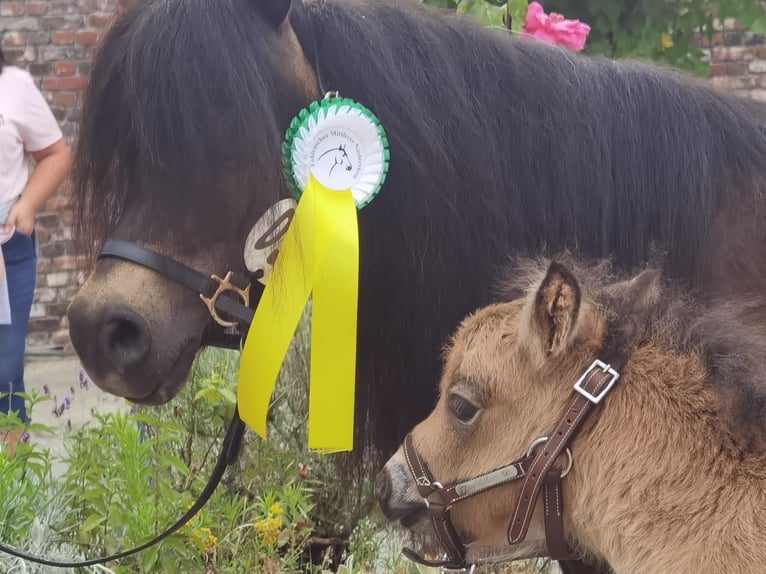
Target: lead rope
x: 228, y: 455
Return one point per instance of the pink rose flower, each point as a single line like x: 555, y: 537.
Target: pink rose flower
x: 554, y: 28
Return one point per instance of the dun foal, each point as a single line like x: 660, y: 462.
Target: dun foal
x: 669, y: 470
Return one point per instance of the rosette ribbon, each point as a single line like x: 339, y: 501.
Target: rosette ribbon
x: 319, y: 256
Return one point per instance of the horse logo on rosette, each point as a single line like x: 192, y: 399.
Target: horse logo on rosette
x: 337, y: 162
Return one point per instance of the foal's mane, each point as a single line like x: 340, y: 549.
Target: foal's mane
x: 727, y: 334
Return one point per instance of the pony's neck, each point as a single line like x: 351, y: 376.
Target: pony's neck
x: 659, y: 484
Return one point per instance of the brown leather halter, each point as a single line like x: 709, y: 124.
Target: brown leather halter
x: 536, y: 470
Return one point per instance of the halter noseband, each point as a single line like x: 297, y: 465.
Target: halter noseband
x: 536, y: 470
x: 210, y: 289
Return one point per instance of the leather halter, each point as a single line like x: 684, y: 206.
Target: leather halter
x: 210, y: 288
x: 536, y: 471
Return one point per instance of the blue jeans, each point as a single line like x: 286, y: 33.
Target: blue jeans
x: 21, y: 269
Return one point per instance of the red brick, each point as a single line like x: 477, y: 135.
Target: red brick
x: 65, y: 99
x: 64, y: 84
x: 11, y: 8
x: 67, y: 263
x: 11, y: 39
x: 37, y: 8
x: 718, y: 69
x: 100, y: 20
x: 62, y: 37
x: 86, y: 37
x: 65, y: 68
x: 736, y: 68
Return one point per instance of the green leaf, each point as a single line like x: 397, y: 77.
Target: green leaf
x: 518, y: 10
x: 759, y: 24
x: 448, y: 4
x: 91, y: 522
x: 150, y: 557
x: 484, y: 12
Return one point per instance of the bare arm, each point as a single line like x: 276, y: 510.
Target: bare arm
x: 52, y: 167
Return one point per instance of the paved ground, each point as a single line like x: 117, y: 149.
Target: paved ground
x: 61, y: 375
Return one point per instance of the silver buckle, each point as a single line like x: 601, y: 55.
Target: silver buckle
x: 469, y: 569
x: 597, y: 364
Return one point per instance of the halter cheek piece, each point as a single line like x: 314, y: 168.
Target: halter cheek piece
x: 214, y: 293
x: 534, y: 469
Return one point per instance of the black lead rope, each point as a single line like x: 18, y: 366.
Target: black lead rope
x: 208, y: 287
x: 228, y: 455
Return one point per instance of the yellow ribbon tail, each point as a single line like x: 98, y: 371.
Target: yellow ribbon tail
x: 277, y: 316
x: 334, y: 324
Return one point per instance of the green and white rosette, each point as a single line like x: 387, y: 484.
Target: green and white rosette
x: 342, y: 144
x: 335, y: 158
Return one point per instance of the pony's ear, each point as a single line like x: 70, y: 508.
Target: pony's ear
x: 555, y: 308
x: 274, y: 11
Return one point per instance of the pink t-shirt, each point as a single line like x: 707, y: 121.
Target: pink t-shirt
x: 26, y: 125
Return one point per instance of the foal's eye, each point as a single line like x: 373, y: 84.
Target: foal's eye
x: 462, y: 408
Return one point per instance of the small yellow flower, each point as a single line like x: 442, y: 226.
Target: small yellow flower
x: 666, y: 41
x: 276, y: 509
x: 268, y: 529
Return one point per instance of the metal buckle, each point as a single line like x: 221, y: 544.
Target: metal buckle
x: 541, y: 440
x: 434, y: 486
x: 446, y: 569
x: 224, y: 285
x: 597, y: 364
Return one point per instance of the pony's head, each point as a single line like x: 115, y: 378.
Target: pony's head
x: 508, y: 375
x: 179, y: 151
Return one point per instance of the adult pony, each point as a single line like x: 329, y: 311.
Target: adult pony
x: 498, y: 145
x: 668, y: 469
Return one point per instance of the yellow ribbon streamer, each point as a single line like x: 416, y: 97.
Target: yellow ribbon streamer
x: 319, y: 255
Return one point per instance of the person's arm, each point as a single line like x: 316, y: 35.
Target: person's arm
x: 52, y: 166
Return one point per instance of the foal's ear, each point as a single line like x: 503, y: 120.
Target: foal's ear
x: 274, y: 11
x: 639, y: 293
x: 555, y: 308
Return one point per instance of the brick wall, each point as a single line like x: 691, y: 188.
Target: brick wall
x: 738, y: 61
x: 54, y: 40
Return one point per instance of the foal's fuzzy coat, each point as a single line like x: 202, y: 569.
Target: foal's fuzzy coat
x: 669, y: 473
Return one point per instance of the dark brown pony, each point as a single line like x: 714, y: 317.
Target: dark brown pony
x: 498, y: 145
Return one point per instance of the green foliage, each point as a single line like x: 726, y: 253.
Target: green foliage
x: 662, y: 31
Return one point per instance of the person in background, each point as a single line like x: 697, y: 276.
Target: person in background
x: 27, y: 128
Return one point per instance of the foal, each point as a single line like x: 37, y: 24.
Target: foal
x: 669, y: 470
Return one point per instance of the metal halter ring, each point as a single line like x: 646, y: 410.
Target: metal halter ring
x: 541, y: 440
x: 224, y: 285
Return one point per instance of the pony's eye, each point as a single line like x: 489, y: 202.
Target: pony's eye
x: 461, y: 408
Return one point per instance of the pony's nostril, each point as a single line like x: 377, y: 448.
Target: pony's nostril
x: 124, y: 338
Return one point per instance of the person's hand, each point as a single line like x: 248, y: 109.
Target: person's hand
x: 21, y: 216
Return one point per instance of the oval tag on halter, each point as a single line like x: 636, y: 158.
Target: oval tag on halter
x: 263, y: 241
x: 342, y: 144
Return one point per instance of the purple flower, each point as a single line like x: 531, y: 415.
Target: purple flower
x: 67, y: 402
x: 46, y: 390
x: 25, y: 437
x: 84, y: 379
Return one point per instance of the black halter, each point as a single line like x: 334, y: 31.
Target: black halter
x: 230, y: 334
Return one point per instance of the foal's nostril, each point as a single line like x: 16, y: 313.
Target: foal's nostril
x: 123, y: 338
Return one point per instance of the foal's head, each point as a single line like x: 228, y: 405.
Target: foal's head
x: 508, y: 374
